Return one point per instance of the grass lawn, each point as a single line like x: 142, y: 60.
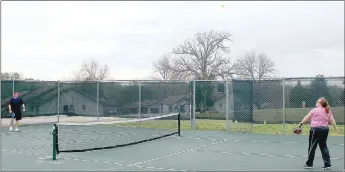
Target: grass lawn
x: 220, y: 125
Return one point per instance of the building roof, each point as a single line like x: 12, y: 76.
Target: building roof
x: 48, y: 93
x: 145, y: 103
x: 173, y: 99
x: 166, y: 101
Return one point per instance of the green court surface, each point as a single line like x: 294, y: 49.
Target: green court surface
x: 198, y: 150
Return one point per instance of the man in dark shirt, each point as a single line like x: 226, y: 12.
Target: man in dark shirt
x: 14, y: 107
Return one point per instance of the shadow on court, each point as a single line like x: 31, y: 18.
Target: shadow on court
x: 193, y: 151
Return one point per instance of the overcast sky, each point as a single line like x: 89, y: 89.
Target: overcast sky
x: 49, y: 40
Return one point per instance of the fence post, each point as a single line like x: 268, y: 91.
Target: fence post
x: 97, y: 99
x: 139, y: 103
x: 12, y: 86
x: 253, y: 94
x: 193, y: 121
x: 284, y: 129
x: 191, y: 104
x: 58, y: 101
x: 227, y: 104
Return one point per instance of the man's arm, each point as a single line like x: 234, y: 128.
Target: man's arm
x: 23, y: 105
x: 9, y: 106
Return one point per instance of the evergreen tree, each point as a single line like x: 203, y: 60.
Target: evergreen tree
x: 318, y: 88
x: 299, y: 94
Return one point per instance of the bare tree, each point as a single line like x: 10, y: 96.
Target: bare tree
x: 204, y: 57
x: 91, y: 70
x: 254, y: 66
x: 11, y: 76
x: 164, y: 67
x: 5, y: 76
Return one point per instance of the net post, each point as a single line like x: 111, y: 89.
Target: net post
x: 179, y: 123
x: 54, y: 133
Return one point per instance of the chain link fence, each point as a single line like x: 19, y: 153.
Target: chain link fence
x: 250, y: 106
x: 210, y: 105
x: 301, y: 96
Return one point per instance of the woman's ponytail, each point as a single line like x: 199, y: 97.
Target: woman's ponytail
x: 324, y: 104
x: 327, y: 108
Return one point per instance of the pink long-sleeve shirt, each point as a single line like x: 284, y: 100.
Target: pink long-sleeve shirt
x: 319, y: 117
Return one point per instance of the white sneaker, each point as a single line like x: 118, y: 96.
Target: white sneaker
x: 17, y: 129
x: 10, y: 128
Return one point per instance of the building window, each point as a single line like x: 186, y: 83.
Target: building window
x: 71, y: 108
x: 65, y: 108
x: 37, y: 109
x: 154, y: 110
x: 182, y: 109
x: 144, y: 110
x: 221, y: 88
x: 84, y: 107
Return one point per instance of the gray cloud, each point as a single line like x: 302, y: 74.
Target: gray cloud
x: 129, y: 36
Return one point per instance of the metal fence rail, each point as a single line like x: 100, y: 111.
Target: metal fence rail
x: 259, y: 106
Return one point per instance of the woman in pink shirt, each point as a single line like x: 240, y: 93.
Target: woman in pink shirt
x: 320, y: 117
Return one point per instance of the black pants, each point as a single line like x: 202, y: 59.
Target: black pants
x: 318, y: 135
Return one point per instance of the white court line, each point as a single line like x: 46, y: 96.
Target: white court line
x: 28, y: 148
x: 268, y: 155
x: 177, y: 153
x: 40, y: 156
x: 31, y: 137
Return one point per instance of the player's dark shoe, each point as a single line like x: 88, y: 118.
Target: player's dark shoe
x: 308, y: 166
x: 326, y: 167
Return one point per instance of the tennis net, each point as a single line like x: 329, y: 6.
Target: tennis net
x: 81, y: 137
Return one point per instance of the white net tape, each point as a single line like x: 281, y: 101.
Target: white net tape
x: 119, y: 122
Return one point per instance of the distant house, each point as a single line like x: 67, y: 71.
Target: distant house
x: 45, y: 101
x: 110, y: 107
x: 172, y: 104
x: 75, y: 102
x: 219, y: 104
x: 175, y: 104
x: 147, y: 107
